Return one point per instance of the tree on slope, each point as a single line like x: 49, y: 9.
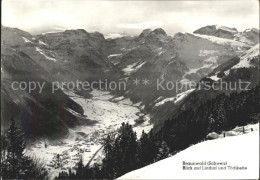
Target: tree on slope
x: 16, y: 164
x: 163, y: 151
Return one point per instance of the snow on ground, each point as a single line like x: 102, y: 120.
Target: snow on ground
x: 227, y: 72
x: 132, y: 68
x: 85, y: 141
x: 214, y: 78
x: 239, y: 130
x: 113, y: 36
x: 26, y: 40
x: 241, y: 151
x: 234, y: 44
x: 243, y: 63
x: 245, y: 59
x: 113, y: 55
x: 243, y: 36
x: 208, y: 52
x: 146, y: 126
x: 210, y: 62
x: 52, y: 32
x: 226, y: 28
x: 40, y: 42
x: 176, y: 98
x: 99, y: 108
x: 42, y: 53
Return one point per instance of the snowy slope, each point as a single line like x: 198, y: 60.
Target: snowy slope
x: 242, y: 150
x: 176, y: 98
x: 249, y: 36
x: 247, y: 57
x: 224, y: 28
x: 114, y: 36
x: 237, y: 46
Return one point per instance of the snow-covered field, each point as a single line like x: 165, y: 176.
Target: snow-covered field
x: 236, y: 151
x: 85, y: 141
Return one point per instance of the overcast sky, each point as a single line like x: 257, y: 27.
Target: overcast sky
x: 131, y: 17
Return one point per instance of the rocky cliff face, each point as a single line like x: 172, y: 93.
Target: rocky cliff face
x: 41, y: 112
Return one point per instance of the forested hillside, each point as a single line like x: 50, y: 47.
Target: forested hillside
x: 124, y: 152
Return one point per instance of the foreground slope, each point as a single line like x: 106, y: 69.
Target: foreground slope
x: 242, y: 150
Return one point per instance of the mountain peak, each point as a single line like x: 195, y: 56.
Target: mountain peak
x: 252, y: 30
x: 212, y: 29
x: 76, y: 31
x: 225, y: 28
x: 155, y: 32
x: 218, y: 31
x: 145, y: 33
x: 159, y: 31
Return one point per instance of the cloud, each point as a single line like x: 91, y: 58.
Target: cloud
x: 127, y: 16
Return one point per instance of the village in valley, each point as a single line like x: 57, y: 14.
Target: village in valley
x: 86, y: 141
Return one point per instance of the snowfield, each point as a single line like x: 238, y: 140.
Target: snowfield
x: 214, y: 78
x: 249, y: 55
x: 226, y: 28
x: 245, y: 61
x: 236, y: 151
x: 113, y: 55
x: 113, y: 36
x: 176, y: 98
x: 42, y: 53
x: 132, y: 68
x: 85, y: 141
x: 235, y: 44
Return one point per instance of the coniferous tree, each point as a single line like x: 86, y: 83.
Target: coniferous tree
x: 125, y: 150
x: 16, y: 164
x: 108, y: 161
x: 4, y: 144
x: 146, y: 144
x: 79, y: 172
x: 15, y: 152
x: 163, y: 151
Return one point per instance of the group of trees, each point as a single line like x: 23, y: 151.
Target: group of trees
x: 222, y: 113
x: 122, y: 153
x: 14, y: 163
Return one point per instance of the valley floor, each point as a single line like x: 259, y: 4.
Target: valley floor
x: 85, y: 141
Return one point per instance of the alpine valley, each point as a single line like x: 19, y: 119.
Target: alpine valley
x: 73, y: 123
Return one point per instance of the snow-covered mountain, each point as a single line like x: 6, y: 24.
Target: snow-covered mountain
x: 249, y: 36
x: 218, y: 31
x: 209, y: 54
x: 182, y: 58
x: 155, y: 55
x: 152, y: 55
x: 248, y: 62
x: 241, y: 151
